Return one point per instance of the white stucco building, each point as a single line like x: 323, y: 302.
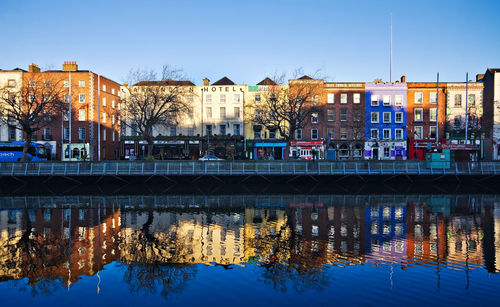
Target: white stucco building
x: 10, y: 81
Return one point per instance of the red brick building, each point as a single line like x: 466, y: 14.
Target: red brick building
x: 422, y: 108
x: 90, y: 95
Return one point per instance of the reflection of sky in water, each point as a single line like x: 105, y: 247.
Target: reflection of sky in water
x: 348, y: 253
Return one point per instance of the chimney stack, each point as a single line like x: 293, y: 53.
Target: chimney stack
x: 479, y: 77
x: 33, y: 68
x: 403, y: 79
x: 70, y: 66
x: 206, y: 82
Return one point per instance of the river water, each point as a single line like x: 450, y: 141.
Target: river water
x: 248, y: 250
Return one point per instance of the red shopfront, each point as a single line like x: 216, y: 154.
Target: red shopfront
x: 304, y: 149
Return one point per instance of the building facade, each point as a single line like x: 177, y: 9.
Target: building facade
x: 424, y: 102
x: 343, y: 116
x: 10, y: 81
x: 491, y: 105
x: 456, y: 117
x: 385, y: 120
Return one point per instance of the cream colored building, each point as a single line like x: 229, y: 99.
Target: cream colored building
x: 188, y: 124
x: 455, y: 108
x: 222, y: 104
x: 10, y: 81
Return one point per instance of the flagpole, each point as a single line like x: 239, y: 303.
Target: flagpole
x: 390, y: 76
x: 466, y: 105
x: 437, y: 111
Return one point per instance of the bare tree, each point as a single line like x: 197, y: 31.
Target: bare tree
x: 34, y: 106
x: 287, y: 109
x: 153, y: 102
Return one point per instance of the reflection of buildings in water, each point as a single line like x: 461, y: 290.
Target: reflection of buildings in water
x: 173, y: 237
x: 386, y: 232
x: 10, y: 234
x: 426, y: 234
x: 465, y: 238
x: 266, y: 235
x: 62, y: 243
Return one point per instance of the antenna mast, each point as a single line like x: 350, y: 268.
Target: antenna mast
x: 390, y: 76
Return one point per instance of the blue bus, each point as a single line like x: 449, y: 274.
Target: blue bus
x: 13, y: 151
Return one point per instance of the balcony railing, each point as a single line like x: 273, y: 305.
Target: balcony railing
x: 244, y: 168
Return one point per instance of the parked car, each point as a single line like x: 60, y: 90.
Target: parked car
x: 296, y: 158
x: 210, y: 158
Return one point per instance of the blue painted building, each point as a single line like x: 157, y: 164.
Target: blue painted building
x: 385, y: 120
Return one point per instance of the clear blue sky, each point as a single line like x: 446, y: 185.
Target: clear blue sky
x: 248, y: 40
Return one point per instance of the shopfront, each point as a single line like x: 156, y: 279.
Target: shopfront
x: 268, y: 150
x: 306, y: 149
x: 385, y: 150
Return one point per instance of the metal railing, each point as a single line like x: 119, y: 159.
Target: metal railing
x: 245, y: 168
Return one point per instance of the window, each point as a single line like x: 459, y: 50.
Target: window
x: 343, y: 114
x: 236, y: 98
x: 208, y: 129
x: 190, y: 131
x: 66, y: 83
x: 11, y: 83
x: 66, y: 133
x: 81, y: 83
x: 343, y: 133
x: 82, y: 115
x: 458, y: 122
x: 133, y: 127
x: 432, y: 132
x: 237, y: 112
x: 433, y: 97
x: 418, y: 132
x: 399, y: 134
x: 356, y: 98
x: 315, y: 99
x: 374, y: 100
x: 113, y: 104
x: 209, y: 98
x: 223, y: 112
x: 190, y: 98
x: 104, y: 134
x: 387, y: 152
x: 387, y: 117
x: 104, y: 115
x: 104, y: 87
x: 343, y: 98
x: 173, y: 130
x: 81, y: 134
x: 399, y: 117
x: 387, y: 133
x: 112, y: 119
x: 223, y: 98
x: 113, y: 135
x: 222, y: 129
x: 330, y: 115
x: 458, y: 100
x: 419, y: 98
x: 103, y: 101
x: 314, y: 118
x: 31, y: 83
x: 418, y: 114
x: 331, y: 98
x: 432, y: 114
x: 82, y: 98
x: 472, y: 99
x: 67, y: 97
x: 256, y: 135
x: 374, y: 117
x: 314, y: 134
x: 298, y: 134
x: 356, y: 115
x: 209, y: 112
x: 330, y: 133
x: 47, y: 136
x: 399, y: 100
x: 236, y: 129
x: 257, y: 97
x: 387, y: 100
x: 374, y: 134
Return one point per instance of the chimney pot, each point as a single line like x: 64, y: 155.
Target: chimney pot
x: 206, y: 82
x: 403, y: 79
